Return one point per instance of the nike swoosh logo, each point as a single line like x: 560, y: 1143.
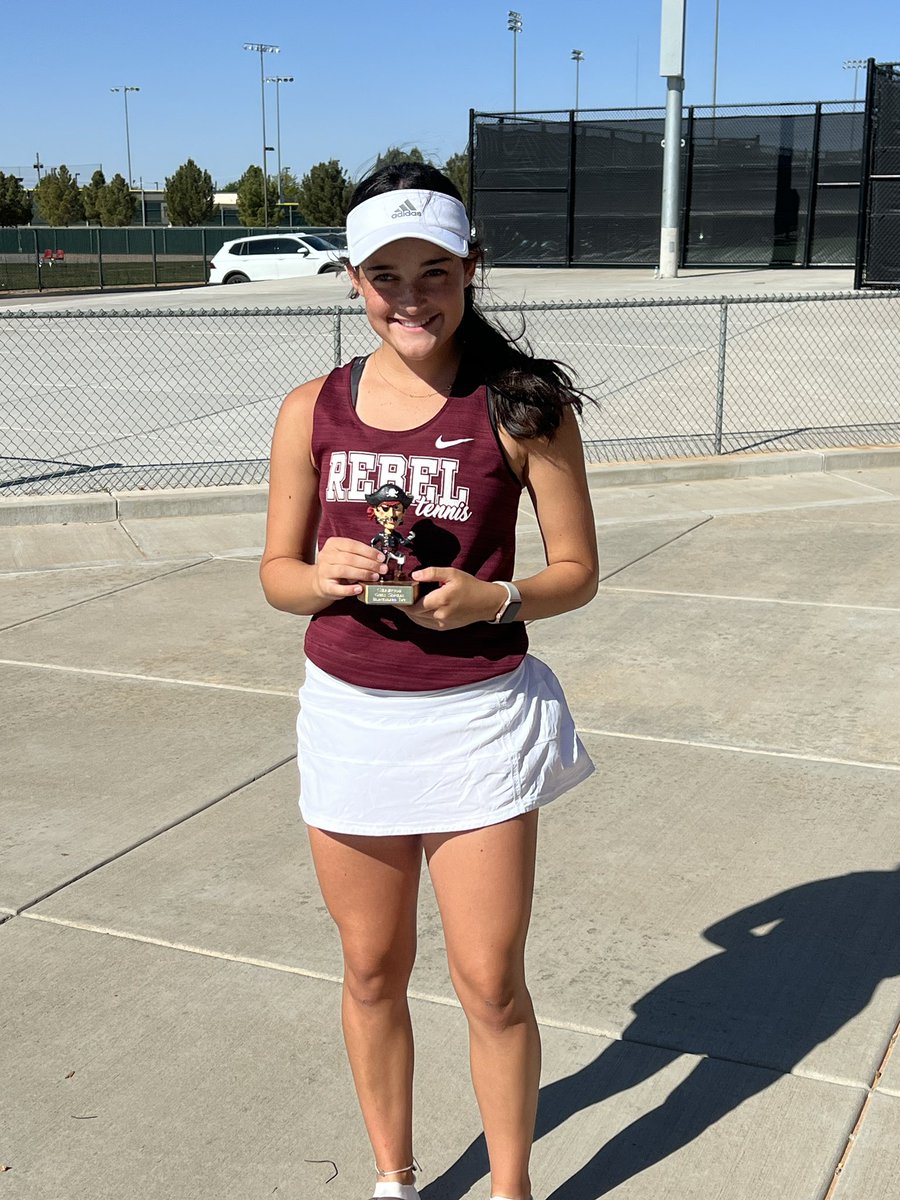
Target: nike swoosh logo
x: 440, y: 444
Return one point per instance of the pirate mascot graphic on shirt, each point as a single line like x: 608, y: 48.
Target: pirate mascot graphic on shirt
x: 388, y: 507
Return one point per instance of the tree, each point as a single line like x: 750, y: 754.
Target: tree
x: 456, y: 168
x: 15, y: 203
x: 189, y: 195
x: 90, y: 196
x: 290, y: 186
x: 58, y: 198
x: 325, y: 194
x: 117, y: 202
x: 251, y: 209
x: 395, y: 154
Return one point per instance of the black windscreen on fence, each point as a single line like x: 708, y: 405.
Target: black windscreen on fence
x: 761, y: 185
x: 879, y: 258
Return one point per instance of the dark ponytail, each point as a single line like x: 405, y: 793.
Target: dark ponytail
x: 530, y: 395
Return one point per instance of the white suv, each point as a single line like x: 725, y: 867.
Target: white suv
x: 274, y: 256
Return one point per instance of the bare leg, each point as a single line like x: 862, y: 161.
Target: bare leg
x: 483, y: 880
x: 370, y: 885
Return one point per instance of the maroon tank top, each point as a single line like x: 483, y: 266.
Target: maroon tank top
x: 465, y: 503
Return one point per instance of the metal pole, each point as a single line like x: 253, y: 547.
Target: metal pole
x: 688, y: 188
x: 262, y: 49
x: 668, y: 243
x: 862, y: 224
x: 671, y: 65
x: 720, y: 375
x: 577, y: 58
x: 515, y: 55
x: 470, y: 198
x: 715, y: 61
x: 812, y: 189
x: 262, y: 93
x: 514, y: 25
x: 278, y: 135
x: 127, y: 135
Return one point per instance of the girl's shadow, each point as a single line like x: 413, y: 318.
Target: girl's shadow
x: 793, y: 970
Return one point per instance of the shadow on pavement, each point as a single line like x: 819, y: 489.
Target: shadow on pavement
x: 793, y: 969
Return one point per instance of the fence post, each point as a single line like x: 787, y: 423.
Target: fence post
x: 37, y: 260
x: 812, y: 187
x: 720, y: 374
x: 203, y: 267
x: 100, y: 258
x: 570, y: 192
x: 153, y: 257
x: 687, y: 191
x: 337, y: 338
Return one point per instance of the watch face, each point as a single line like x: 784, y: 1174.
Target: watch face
x: 512, y: 611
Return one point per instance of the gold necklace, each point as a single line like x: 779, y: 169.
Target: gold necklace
x: 412, y: 395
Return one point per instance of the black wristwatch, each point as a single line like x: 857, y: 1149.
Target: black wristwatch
x: 509, y: 609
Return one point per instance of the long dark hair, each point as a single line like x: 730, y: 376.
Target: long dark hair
x: 529, y: 394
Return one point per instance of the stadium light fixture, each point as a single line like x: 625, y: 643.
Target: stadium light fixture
x: 854, y: 65
x: 262, y: 48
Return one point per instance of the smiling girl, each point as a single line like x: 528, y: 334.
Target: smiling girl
x: 428, y: 730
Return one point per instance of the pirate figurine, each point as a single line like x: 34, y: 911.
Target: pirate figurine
x: 388, y: 507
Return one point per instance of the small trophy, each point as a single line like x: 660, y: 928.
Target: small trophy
x: 388, y: 507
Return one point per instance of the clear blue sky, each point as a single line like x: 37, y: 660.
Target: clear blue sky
x: 374, y: 73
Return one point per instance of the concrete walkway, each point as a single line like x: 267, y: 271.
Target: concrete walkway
x: 715, y: 947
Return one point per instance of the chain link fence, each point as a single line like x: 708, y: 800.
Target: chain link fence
x: 97, y: 401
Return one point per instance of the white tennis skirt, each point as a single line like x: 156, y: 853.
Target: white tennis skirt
x: 384, y: 763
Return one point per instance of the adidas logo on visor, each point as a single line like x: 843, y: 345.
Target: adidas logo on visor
x: 406, y: 209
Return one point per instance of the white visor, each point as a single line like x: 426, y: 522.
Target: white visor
x: 407, y: 213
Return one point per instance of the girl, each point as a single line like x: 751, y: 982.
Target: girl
x: 427, y: 729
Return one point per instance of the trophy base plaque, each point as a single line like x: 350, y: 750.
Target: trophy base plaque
x: 398, y: 591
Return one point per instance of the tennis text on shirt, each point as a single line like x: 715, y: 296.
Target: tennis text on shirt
x: 464, y: 506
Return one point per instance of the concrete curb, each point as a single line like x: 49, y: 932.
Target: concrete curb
x: 251, y: 498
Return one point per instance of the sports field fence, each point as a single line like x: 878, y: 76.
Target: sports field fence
x: 104, y: 401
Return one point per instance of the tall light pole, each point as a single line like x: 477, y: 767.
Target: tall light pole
x: 261, y: 48
x: 125, y: 89
x: 715, y: 78
x: 278, y: 80
x: 854, y: 64
x: 514, y: 25
x: 578, y: 59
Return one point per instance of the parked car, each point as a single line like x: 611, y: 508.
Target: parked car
x: 274, y: 256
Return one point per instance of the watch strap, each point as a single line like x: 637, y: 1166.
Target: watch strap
x: 510, y: 607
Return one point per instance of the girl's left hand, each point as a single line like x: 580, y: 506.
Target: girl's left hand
x: 460, y: 600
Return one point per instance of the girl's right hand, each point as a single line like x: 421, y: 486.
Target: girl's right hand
x: 344, y: 565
